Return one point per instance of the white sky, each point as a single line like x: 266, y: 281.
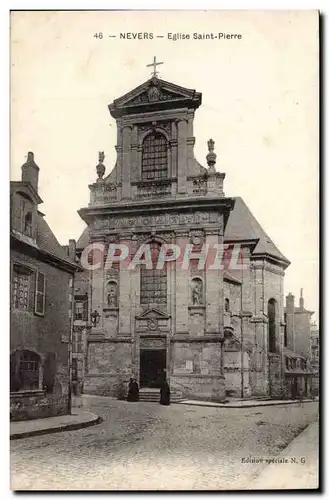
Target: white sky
x: 260, y: 105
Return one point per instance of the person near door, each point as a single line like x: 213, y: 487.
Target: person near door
x: 133, y: 391
x: 165, y: 394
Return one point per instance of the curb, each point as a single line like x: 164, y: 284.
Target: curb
x: 241, y: 407
x: 62, y: 428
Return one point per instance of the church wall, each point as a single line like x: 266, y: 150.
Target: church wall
x: 197, y: 370
x: 109, y: 365
x: 232, y: 370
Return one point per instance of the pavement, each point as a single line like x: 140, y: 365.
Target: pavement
x: 150, y: 447
x: 246, y: 403
x: 297, y: 467
x: 77, y: 420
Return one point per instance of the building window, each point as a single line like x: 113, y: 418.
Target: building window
x: 40, y: 294
x: 74, y: 370
x: 81, y: 309
x: 77, y: 346
x: 155, y: 157
x: 271, y: 313
x: 227, y: 305
x: 20, y: 288
x: 154, y: 281
x: 28, y: 224
x: 25, y: 371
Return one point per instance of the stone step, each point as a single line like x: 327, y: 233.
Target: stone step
x: 153, y: 396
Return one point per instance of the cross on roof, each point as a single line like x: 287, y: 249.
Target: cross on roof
x: 154, y: 64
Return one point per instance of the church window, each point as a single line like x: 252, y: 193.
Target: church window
x: 153, y: 281
x: 271, y: 313
x: 154, y: 157
x: 24, y: 371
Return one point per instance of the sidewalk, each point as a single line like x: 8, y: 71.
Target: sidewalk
x: 246, y: 403
x: 301, y: 467
x: 77, y: 420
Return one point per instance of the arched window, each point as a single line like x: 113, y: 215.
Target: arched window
x: 25, y: 370
x: 28, y: 224
x: 271, y: 313
x: 154, y: 281
x: 155, y: 157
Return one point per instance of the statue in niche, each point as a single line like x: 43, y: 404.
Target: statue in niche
x: 112, y: 295
x: 197, y: 292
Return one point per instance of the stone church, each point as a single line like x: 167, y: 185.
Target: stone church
x: 212, y: 332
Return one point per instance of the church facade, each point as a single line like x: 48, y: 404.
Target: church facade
x: 210, y: 330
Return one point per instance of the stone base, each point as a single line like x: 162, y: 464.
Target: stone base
x: 106, y: 385
x: 200, y: 387
x: 28, y: 405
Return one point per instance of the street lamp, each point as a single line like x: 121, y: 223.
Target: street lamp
x: 95, y: 317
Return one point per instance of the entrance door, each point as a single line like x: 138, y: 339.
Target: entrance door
x: 152, y: 367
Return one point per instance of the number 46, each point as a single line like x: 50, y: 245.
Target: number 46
x: 98, y: 35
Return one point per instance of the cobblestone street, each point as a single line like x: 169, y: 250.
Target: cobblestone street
x: 142, y: 446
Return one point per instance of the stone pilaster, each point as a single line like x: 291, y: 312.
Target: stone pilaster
x: 181, y: 288
x: 182, y: 157
x: 126, y: 161
x: 214, y: 296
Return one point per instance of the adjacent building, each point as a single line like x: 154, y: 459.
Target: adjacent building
x: 41, y: 277
x: 298, y: 347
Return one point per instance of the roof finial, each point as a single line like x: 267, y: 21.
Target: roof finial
x: 154, y: 64
x: 100, y: 169
x: 211, y: 156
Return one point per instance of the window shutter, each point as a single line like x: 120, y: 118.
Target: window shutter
x: 32, y: 291
x: 40, y: 295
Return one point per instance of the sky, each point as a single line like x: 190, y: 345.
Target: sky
x: 259, y: 105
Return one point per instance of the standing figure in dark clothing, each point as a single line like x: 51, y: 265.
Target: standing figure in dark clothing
x: 165, y: 394
x: 133, y: 390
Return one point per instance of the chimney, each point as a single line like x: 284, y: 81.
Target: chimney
x: 72, y: 252
x: 30, y: 171
x: 290, y: 303
x: 301, y: 300
x: 290, y: 321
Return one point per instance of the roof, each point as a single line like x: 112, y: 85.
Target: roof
x: 47, y: 242
x: 231, y: 278
x: 242, y: 226
x: 83, y: 239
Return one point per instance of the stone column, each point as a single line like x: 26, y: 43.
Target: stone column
x: 135, y: 166
x: 173, y: 145
x: 182, y: 157
x: 126, y: 162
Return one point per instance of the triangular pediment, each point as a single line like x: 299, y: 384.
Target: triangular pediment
x: 152, y: 93
x: 153, y: 313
